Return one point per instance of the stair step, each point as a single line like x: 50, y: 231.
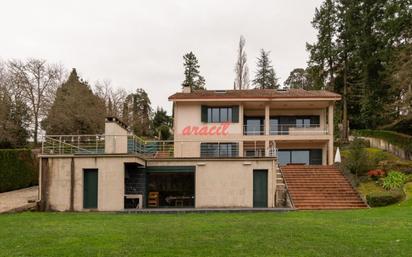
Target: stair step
x: 320, y: 187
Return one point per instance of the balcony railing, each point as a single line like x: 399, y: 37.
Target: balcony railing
x: 285, y: 129
x: 297, y: 129
x: 115, y: 144
x: 256, y: 130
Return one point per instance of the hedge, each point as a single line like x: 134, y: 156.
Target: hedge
x: 384, y: 198
x: 18, y: 169
x: 401, y: 140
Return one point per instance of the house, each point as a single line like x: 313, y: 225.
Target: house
x: 231, y: 149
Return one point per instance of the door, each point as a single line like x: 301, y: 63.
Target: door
x: 90, y: 189
x: 260, y: 188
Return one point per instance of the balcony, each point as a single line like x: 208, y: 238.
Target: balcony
x: 163, y: 149
x: 285, y: 129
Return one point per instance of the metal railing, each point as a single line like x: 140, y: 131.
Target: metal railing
x: 297, y: 129
x: 253, y: 130
x: 285, y: 129
x: 115, y: 144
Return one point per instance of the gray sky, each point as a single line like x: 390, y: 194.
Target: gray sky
x: 140, y: 44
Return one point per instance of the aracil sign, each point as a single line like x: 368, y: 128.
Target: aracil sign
x: 207, y: 130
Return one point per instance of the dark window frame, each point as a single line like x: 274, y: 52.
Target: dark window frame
x: 222, y: 150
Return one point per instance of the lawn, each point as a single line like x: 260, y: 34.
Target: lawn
x: 369, y: 232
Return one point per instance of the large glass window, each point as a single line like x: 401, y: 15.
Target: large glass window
x: 310, y: 156
x: 280, y: 125
x: 219, y: 150
x: 219, y: 114
x: 253, y: 126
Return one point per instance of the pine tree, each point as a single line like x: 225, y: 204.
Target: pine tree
x: 241, y: 69
x: 137, y: 113
x: 193, y: 79
x: 265, y: 77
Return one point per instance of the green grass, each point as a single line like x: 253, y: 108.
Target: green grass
x: 369, y: 232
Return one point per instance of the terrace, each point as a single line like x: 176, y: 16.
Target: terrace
x: 160, y: 149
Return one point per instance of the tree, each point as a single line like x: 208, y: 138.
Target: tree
x: 36, y: 83
x: 265, y: 77
x: 323, y: 53
x: 113, y: 98
x: 162, y: 123
x: 137, y: 113
x: 299, y: 78
x: 193, y: 79
x: 76, y: 110
x: 241, y: 69
x: 14, y: 119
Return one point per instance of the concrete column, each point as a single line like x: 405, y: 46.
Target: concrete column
x: 330, y: 133
x: 241, y: 116
x: 241, y: 149
x: 330, y: 152
x: 267, y: 119
x: 330, y: 119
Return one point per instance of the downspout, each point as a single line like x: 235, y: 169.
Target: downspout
x: 72, y: 184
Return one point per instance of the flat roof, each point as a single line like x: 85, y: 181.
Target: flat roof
x: 256, y: 94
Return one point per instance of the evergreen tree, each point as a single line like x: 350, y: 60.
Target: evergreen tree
x: 137, y: 112
x: 76, y: 110
x: 323, y: 53
x: 265, y: 77
x: 162, y: 124
x: 193, y: 79
x: 241, y: 69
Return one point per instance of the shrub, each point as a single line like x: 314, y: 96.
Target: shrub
x: 394, y: 180
x: 384, y: 198
x: 357, y: 161
x: 376, y: 174
x: 18, y: 169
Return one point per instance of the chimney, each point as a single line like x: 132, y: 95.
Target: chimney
x: 116, y: 134
x: 187, y: 89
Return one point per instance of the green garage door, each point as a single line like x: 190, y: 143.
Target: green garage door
x: 90, y: 189
x: 260, y: 188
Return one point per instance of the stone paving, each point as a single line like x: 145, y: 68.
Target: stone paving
x: 18, y: 199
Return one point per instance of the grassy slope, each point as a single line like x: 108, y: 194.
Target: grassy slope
x: 370, y: 232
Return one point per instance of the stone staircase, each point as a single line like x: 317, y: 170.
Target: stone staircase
x: 320, y: 187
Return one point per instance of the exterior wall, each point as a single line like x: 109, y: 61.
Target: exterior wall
x: 189, y: 114
x: 110, y: 182
x: 230, y: 184
x: 218, y: 183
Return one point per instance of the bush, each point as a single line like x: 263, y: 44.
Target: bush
x: 376, y: 174
x: 18, y: 169
x: 384, y: 198
x: 357, y: 161
x: 394, y: 180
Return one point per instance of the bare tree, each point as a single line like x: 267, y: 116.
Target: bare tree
x: 35, y: 81
x: 113, y: 98
x: 241, y: 69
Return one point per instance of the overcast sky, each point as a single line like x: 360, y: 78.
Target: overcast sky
x: 140, y: 44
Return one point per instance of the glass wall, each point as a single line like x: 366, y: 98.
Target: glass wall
x: 300, y: 156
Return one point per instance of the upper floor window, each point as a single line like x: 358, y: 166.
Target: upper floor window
x: 211, y: 114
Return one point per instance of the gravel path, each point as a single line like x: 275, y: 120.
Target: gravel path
x: 18, y: 199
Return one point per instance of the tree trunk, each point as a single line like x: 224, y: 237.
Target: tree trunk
x: 36, y: 129
x: 345, y: 106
